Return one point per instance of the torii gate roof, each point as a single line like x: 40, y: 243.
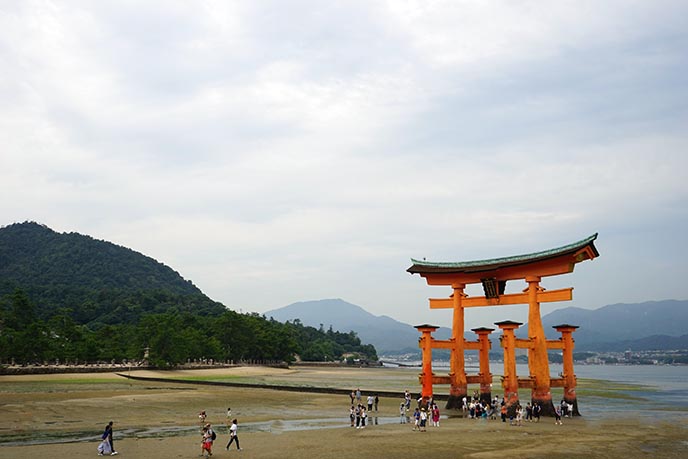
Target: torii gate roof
x: 570, y: 254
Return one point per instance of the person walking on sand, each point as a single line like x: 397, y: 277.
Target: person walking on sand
x: 377, y: 400
x: 107, y: 436
x: 370, y: 401
x: 206, y: 443
x: 435, y: 415
x: 423, y: 419
x: 537, y: 409
x: 211, y: 434
x: 402, y: 413
x: 233, y: 435
x: 519, y: 415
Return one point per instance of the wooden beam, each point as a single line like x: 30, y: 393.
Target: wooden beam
x: 522, y: 343
x: 440, y: 379
x: 557, y: 382
x: 555, y: 344
x: 526, y: 383
x: 442, y: 344
x: 472, y: 345
x: 545, y: 296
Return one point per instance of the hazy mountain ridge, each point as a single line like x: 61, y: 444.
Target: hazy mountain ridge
x: 103, y: 283
x: 632, y: 324
x: 383, y: 332
x: 639, y: 326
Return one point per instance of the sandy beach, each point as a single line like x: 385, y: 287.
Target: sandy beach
x: 159, y: 420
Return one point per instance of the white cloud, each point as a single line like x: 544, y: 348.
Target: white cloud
x: 273, y: 154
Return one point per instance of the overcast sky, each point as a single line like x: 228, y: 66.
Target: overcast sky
x: 275, y: 152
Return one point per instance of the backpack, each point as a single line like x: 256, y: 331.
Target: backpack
x: 213, y: 435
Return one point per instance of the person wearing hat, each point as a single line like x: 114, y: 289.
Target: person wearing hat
x: 423, y: 419
x: 211, y: 433
x: 206, y: 443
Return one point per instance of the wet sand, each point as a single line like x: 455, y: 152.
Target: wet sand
x: 159, y: 420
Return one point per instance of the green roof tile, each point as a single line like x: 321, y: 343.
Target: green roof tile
x: 422, y: 266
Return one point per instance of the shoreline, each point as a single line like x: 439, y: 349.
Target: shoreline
x: 158, y: 419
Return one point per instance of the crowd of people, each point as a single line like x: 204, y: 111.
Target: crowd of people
x: 208, y: 435
x: 476, y: 408
x: 358, y: 413
x: 425, y: 413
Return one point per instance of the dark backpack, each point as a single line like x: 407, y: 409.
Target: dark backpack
x: 213, y: 435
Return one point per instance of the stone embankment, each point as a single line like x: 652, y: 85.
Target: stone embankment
x: 119, y: 367
x: 306, y: 389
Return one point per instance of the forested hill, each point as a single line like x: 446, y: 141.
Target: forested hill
x: 100, y: 281
x: 33, y: 254
x: 69, y: 297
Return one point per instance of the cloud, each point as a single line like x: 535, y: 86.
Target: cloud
x: 274, y: 154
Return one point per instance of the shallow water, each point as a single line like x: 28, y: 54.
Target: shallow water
x: 654, y: 391
x: 276, y: 426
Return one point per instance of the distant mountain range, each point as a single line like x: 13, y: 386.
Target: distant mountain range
x: 638, y: 326
x: 642, y: 326
x: 103, y: 284
x: 383, y: 332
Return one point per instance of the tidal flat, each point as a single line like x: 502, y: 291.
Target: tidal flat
x: 63, y: 416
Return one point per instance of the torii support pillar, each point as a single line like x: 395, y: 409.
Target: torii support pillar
x: 510, y: 379
x: 485, y: 377
x: 566, y: 331
x: 425, y: 343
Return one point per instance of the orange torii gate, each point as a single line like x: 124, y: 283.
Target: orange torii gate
x: 493, y: 275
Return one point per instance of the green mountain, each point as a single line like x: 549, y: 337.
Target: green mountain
x: 71, y: 297
x: 102, y: 283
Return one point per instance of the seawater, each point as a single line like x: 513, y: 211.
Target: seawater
x: 657, y: 389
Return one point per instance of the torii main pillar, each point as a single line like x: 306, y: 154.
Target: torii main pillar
x: 458, y: 388
x: 538, y: 361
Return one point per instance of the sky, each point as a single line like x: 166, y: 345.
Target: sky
x: 276, y: 152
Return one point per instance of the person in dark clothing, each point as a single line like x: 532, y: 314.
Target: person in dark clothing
x: 107, y: 435
x: 233, y: 436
